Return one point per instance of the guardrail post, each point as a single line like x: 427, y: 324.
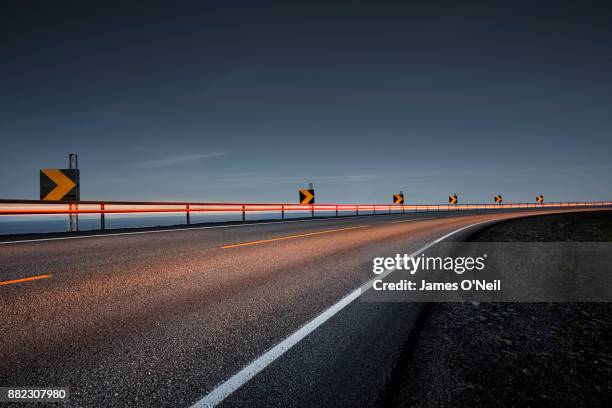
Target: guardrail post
x: 357, y: 209
x: 243, y: 213
x: 312, y: 210
x: 336, y: 210
x: 102, y: 220
x: 188, y: 214
x: 389, y: 209
x: 282, y: 211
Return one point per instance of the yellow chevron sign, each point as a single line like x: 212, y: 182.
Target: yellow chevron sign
x: 398, y: 198
x: 498, y: 199
x: 539, y: 198
x: 453, y: 199
x: 307, y: 196
x: 59, y: 184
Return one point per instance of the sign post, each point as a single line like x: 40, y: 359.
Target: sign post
x: 63, y: 185
x: 307, y: 197
x: 398, y: 198
x: 73, y: 218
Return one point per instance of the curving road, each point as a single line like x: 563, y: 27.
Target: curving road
x: 161, y: 318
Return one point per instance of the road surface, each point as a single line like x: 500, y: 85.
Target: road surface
x: 163, y: 318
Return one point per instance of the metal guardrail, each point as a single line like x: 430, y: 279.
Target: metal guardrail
x: 36, y: 207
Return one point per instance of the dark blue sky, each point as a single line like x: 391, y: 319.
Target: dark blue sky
x: 248, y: 101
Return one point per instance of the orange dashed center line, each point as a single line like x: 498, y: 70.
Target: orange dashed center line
x: 411, y: 220
x: 263, y: 241
x: 31, y: 278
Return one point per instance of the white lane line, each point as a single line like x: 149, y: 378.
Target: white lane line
x: 192, y: 228
x: 226, y: 388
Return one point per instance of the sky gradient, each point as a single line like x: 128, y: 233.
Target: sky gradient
x: 249, y: 101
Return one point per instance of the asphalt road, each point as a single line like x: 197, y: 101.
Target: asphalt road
x: 162, y: 318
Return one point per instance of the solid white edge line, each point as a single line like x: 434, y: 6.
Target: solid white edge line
x: 194, y: 228
x: 225, y: 389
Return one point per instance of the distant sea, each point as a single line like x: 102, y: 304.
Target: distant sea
x: 41, y: 224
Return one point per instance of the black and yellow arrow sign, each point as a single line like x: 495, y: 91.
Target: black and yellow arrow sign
x: 307, y: 196
x: 498, y: 199
x: 453, y: 199
x: 398, y: 198
x: 59, y: 184
x: 539, y: 198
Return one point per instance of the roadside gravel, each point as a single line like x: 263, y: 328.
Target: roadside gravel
x: 515, y: 354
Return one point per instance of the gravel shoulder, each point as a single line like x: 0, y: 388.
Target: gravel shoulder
x: 515, y: 354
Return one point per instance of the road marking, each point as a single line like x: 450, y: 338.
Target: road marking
x: 263, y: 241
x: 225, y: 389
x: 31, y: 278
x: 416, y: 219
x: 193, y: 228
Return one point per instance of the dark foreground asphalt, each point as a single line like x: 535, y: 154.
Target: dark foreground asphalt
x: 159, y: 319
x: 515, y: 354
